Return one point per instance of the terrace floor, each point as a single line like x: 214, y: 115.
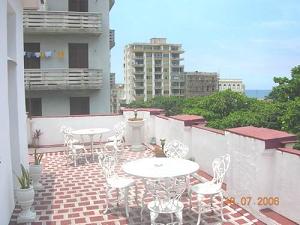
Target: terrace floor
x: 75, y: 195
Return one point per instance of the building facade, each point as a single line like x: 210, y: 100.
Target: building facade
x: 149, y: 69
x: 236, y: 85
x: 67, y: 57
x: 13, y: 129
x: 200, y: 83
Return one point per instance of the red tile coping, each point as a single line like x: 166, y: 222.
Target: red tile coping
x: 272, y: 138
x: 290, y: 150
x: 153, y: 111
x: 277, y: 217
x: 203, y: 127
x: 189, y: 120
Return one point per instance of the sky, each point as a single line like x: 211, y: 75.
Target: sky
x: 253, y: 40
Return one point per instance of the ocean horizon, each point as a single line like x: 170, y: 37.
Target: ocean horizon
x: 259, y: 94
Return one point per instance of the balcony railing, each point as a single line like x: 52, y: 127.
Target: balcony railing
x: 59, y: 79
x: 61, y: 22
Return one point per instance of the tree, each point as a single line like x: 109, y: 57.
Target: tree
x: 287, y: 89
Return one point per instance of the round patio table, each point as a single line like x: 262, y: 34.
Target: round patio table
x: 91, y: 133
x: 160, y: 167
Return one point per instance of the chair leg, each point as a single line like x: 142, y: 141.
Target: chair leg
x: 153, y: 216
x: 179, y: 216
x: 106, y: 201
x: 136, y: 195
x: 221, y: 208
x: 126, y: 201
x: 118, y: 200
x: 199, y: 209
x: 144, y: 196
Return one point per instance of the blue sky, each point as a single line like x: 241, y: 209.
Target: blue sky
x: 254, y: 40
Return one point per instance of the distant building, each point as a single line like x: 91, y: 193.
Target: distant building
x: 67, y: 57
x: 149, y: 69
x: 236, y: 85
x: 117, y: 98
x: 200, y: 83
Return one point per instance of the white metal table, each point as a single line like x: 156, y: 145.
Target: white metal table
x: 159, y: 169
x: 91, y: 133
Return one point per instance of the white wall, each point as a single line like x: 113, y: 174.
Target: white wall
x: 50, y: 126
x: 12, y: 111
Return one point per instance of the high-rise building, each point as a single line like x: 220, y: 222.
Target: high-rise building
x: 236, y: 85
x: 200, y: 83
x: 149, y: 69
x: 67, y: 57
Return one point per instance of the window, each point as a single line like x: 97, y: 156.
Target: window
x: 30, y: 61
x: 36, y: 106
x: 78, y: 56
x: 78, y: 5
x: 166, y: 55
x: 79, y: 105
x: 166, y: 92
x: 148, y: 55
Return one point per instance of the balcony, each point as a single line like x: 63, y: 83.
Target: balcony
x: 62, y: 79
x: 111, y: 39
x: 52, y: 22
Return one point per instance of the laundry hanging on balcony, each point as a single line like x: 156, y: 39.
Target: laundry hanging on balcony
x: 42, y: 55
x: 60, y: 54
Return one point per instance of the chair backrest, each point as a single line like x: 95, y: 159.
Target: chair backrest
x: 176, y: 149
x: 220, y: 166
x: 167, y: 192
x: 108, y: 163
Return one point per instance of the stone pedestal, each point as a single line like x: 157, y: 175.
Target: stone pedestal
x: 136, y: 135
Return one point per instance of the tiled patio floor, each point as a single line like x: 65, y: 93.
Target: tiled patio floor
x: 75, y: 195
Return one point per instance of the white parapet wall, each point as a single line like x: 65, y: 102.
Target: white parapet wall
x: 50, y: 126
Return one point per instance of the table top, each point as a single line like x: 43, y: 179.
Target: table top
x: 160, y: 167
x: 91, y: 131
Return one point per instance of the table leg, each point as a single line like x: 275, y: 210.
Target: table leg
x: 92, y: 146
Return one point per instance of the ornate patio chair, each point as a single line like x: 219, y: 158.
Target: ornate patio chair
x: 74, y: 151
x: 212, y: 188
x: 114, y: 182
x: 176, y: 149
x: 119, y: 134
x: 166, y: 195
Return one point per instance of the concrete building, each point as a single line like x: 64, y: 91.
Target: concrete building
x: 200, y: 83
x: 149, y: 69
x: 117, y: 98
x: 67, y: 57
x: 236, y: 85
x: 13, y: 129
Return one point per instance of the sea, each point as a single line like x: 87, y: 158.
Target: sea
x: 259, y: 94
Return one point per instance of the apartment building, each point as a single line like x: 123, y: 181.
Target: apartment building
x: 236, y: 85
x: 13, y: 129
x: 200, y: 83
x: 149, y: 69
x: 67, y: 57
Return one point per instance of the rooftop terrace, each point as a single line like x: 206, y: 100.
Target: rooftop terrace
x: 262, y: 166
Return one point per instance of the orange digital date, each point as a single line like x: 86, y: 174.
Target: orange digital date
x: 247, y: 200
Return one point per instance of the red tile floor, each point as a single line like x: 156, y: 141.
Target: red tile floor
x: 75, y: 195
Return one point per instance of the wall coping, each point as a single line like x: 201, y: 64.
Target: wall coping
x: 290, y: 150
x: 276, y: 216
x: 153, y: 111
x: 162, y: 117
x: 89, y: 115
x: 203, y: 127
x: 272, y: 138
x: 189, y: 120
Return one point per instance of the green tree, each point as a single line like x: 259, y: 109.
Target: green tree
x: 287, y: 89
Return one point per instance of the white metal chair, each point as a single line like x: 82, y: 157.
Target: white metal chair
x: 74, y: 151
x: 114, y: 182
x: 212, y: 188
x: 176, y: 149
x: 166, y: 195
x: 119, y: 133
